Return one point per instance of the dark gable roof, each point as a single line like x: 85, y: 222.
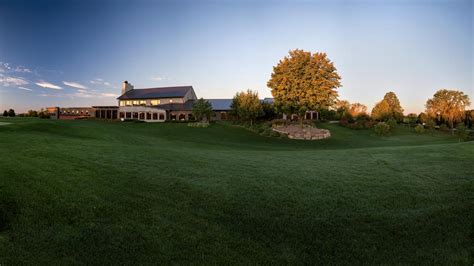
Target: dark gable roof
x: 152, y: 93
x: 220, y: 104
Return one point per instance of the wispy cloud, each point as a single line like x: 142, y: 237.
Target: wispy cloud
x: 8, y: 81
x: 110, y: 95
x: 48, y: 85
x: 8, y: 68
x: 91, y: 94
x: 158, y: 78
x: 74, y: 85
x: 82, y: 94
x: 100, y: 81
x: 22, y: 69
x: 4, y: 67
x: 25, y: 89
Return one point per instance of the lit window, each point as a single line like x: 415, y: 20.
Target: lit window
x: 155, y: 102
x: 129, y: 103
x: 136, y: 102
x: 142, y: 102
x: 122, y: 103
x: 171, y: 100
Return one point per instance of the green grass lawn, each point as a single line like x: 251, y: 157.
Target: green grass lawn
x: 108, y: 192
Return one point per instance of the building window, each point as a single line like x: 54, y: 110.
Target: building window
x: 155, y: 116
x: 135, y: 102
x: 162, y: 117
x: 122, y: 115
x: 171, y: 100
x: 128, y: 115
x: 128, y: 103
x: 155, y: 102
x: 122, y: 103
x: 142, y: 102
x: 142, y: 116
x: 172, y: 116
x: 148, y: 116
x: 182, y: 117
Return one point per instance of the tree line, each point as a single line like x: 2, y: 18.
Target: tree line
x: 305, y: 81
x: 31, y: 113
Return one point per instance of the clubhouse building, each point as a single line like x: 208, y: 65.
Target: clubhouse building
x: 148, y: 105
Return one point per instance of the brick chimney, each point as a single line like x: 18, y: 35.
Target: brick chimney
x: 126, y: 87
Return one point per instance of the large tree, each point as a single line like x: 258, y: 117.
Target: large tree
x: 388, y: 108
x: 202, y: 109
x: 448, y: 104
x: 247, y: 106
x: 11, y: 113
x: 356, y: 109
x: 303, y: 82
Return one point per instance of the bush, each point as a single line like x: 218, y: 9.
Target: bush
x: 443, y: 128
x: 392, y: 123
x: 369, y: 124
x: 280, y: 122
x: 198, y: 124
x: 359, y: 124
x: 344, y: 122
x: 420, y: 129
x: 363, y: 117
x: 382, y: 129
x: 461, y: 132
x: 429, y: 124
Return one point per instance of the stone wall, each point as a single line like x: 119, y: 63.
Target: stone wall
x: 304, y: 133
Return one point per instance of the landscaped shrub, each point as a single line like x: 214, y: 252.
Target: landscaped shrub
x: 430, y: 124
x: 420, y: 129
x: 358, y: 124
x: 363, y: 117
x: 382, y: 129
x: 344, y: 122
x: 461, y: 132
x: 280, y: 122
x: 443, y: 128
x: 392, y: 123
x: 369, y: 124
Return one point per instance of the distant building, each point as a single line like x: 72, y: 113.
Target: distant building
x: 221, y: 109
x: 71, y: 113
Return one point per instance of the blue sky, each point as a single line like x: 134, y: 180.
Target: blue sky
x: 76, y: 53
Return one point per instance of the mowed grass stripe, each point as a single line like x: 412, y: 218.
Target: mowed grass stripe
x: 100, y: 192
